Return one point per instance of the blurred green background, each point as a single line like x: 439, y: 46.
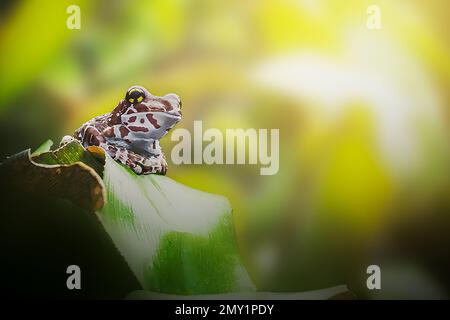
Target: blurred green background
x: 363, y: 118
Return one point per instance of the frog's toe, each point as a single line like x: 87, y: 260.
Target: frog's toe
x: 136, y: 168
x: 148, y: 166
x: 150, y: 170
x: 66, y: 140
x: 154, y: 166
x: 133, y: 165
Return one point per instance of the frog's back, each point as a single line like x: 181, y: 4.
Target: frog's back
x: 100, y: 123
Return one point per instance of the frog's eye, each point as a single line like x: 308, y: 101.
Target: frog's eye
x: 135, y: 95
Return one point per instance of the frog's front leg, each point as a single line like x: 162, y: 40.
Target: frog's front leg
x: 151, y: 164
x: 136, y: 162
x: 155, y: 164
x: 90, y: 136
x: 121, y: 155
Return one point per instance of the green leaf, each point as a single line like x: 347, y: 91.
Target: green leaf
x: 176, y: 239
x: 71, y: 153
x: 44, y: 147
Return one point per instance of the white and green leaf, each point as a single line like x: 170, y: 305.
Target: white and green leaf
x: 176, y: 239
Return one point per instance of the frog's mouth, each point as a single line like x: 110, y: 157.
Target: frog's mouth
x: 170, y: 113
x: 176, y: 113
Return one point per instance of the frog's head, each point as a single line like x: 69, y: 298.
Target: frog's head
x: 150, y: 116
x: 139, y: 99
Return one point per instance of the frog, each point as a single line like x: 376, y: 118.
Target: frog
x: 130, y: 133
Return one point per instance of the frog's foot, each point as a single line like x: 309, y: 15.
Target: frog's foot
x: 66, y: 140
x: 156, y: 165
x: 139, y: 164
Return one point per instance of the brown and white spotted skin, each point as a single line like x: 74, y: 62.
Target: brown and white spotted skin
x: 130, y: 133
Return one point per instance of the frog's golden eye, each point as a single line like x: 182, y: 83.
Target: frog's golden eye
x: 135, y: 95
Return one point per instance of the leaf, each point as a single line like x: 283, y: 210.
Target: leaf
x: 176, y: 239
x: 47, y: 224
x: 71, y: 153
x: 179, y: 242
x: 334, y: 293
x: 44, y: 147
x: 62, y: 173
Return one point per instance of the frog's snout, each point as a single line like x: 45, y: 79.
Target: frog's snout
x: 175, y: 103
